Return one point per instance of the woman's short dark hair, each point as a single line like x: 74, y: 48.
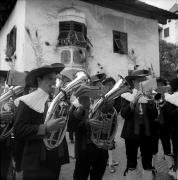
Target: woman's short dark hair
x: 174, y: 85
x: 107, y: 80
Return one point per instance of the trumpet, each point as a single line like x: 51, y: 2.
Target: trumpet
x: 159, y: 99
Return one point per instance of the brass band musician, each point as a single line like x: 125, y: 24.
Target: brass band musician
x: 39, y: 163
x: 90, y: 159
x: 139, y: 113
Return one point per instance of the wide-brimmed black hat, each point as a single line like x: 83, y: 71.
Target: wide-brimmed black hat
x: 31, y: 78
x: 136, y: 74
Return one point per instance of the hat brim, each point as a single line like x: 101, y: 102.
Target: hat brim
x: 89, y: 91
x: 32, y: 75
x: 136, y: 77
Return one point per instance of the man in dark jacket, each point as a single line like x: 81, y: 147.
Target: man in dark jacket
x: 39, y: 163
x: 170, y: 111
x: 139, y: 112
x: 162, y: 125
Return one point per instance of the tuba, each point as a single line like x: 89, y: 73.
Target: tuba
x: 59, y: 107
x: 7, y: 110
x: 103, y: 123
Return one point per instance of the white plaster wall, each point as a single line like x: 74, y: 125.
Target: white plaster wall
x: 42, y: 15
x: 176, y: 31
x: 16, y: 18
x: 173, y: 32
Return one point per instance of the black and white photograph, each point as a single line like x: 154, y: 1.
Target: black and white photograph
x: 89, y: 89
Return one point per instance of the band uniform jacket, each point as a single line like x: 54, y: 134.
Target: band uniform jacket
x: 130, y: 116
x: 170, y: 110
x: 34, y: 153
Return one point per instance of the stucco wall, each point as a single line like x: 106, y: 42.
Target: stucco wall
x: 17, y: 18
x: 176, y: 30
x: 43, y: 15
x: 173, y: 32
x: 42, y: 21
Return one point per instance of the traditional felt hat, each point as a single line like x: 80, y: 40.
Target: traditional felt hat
x: 31, y: 78
x: 138, y: 74
x: 89, y: 91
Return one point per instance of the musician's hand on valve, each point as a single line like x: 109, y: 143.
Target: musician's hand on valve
x: 149, y: 93
x: 55, y: 124
x: 95, y: 123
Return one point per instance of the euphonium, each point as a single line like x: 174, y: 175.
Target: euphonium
x: 104, y: 124
x: 7, y: 110
x: 59, y: 107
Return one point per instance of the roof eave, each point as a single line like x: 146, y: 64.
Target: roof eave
x: 136, y: 8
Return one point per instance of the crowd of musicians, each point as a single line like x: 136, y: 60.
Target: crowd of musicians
x: 148, y: 117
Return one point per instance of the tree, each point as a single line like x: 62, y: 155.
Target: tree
x: 168, y: 60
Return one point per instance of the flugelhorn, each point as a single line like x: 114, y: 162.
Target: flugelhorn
x: 59, y: 107
x: 158, y: 98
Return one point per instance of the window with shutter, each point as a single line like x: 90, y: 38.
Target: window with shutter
x: 11, y: 42
x: 166, y: 32
x: 120, y: 44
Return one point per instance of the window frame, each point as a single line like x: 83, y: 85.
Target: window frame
x: 122, y: 38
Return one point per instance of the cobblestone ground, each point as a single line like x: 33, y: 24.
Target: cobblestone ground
x: 119, y: 155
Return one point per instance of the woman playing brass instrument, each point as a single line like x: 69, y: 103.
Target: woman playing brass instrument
x: 90, y: 159
x: 38, y: 163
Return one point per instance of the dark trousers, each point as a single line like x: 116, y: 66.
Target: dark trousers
x: 5, y: 156
x: 91, y: 162
x: 43, y: 173
x: 175, y: 151
x: 166, y: 143
x: 132, y: 145
x: 162, y: 133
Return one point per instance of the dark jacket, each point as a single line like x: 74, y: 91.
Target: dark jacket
x: 129, y: 130
x: 34, y: 153
x: 171, y: 117
x: 78, y: 124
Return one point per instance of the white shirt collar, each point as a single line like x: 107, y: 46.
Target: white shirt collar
x: 172, y: 98
x: 35, y: 100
